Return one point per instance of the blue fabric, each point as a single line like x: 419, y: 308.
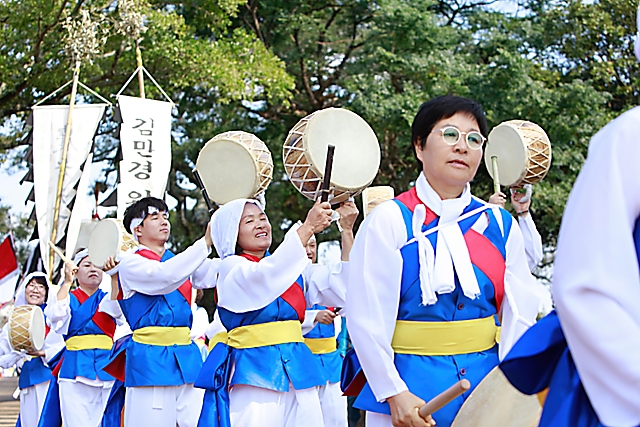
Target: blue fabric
x: 272, y: 367
x: 115, y: 403
x: 153, y: 365
x: 84, y: 363
x: 51, y: 415
x: 441, y: 371
x: 330, y: 363
x: 214, y: 378
x: 343, y: 338
x: 34, y: 372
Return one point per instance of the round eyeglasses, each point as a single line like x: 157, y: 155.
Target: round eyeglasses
x: 452, y: 135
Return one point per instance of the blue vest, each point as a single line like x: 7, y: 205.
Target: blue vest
x: 541, y: 359
x: 428, y: 376
x: 154, y: 365
x: 84, y: 363
x: 331, y: 363
x: 272, y: 367
x: 34, y: 372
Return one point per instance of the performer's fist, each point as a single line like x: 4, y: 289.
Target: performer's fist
x: 325, y: 317
x: 70, y: 270
x: 404, y: 411
x: 348, y: 214
x: 498, y: 198
x: 109, y: 264
x: 319, y: 217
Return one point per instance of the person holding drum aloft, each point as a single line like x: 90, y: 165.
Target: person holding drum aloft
x: 161, y: 361
x: 532, y: 238
x: 35, y: 373
x: 264, y: 374
x: 429, y: 272
x: 86, y: 317
x: 322, y: 336
x: 586, y: 353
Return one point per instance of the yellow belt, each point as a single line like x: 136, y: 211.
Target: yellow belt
x: 321, y: 345
x: 219, y: 337
x: 264, y: 334
x: 444, y: 338
x: 163, y: 335
x: 89, y: 342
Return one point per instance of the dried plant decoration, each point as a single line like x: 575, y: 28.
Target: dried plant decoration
x: 85, y: 37
x: 130, y: 22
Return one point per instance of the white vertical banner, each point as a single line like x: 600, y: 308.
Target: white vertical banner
x: 49, y: 123
x: 81, y: 209
x: 145, y: 138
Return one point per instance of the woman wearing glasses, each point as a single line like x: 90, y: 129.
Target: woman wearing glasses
x: 433, y: 268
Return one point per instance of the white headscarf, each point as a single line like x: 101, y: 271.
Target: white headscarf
x: 21, y: 298
x: 80, y: 256
x: 225, y: 223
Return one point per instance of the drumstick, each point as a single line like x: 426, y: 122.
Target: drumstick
x: 328, y: 167
x: 443, y: 398
x: 496, y: 178
x: 60, y: 254
x: 200, y: 185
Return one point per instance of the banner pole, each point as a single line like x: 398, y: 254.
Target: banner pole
x: 140, y: 72
x: 63, y: 165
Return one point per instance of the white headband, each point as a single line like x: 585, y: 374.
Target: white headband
x: 137, y: 221
x: 80, y: 256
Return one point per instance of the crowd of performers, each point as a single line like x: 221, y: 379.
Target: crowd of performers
x: 436, y: 287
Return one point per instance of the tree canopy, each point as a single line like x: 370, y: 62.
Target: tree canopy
x: 260, y: 66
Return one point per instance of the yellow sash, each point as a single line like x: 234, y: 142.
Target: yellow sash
x: 264, y: 334
x: 89, y: 342
x: 321, y: 345
x: 219, y: 337
x: 444, y: 338
x: 163, y: 335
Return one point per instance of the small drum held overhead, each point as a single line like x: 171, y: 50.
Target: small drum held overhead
x: 108, y: 238
x: 26, y: 328
x: 523, y: 150
x: 373, y: 196
x: 356, y: 159
x: 234, y: 165
x: 496, y: 403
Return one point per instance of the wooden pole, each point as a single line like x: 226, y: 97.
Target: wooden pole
x: 140, y: 72
x: 63, y: 165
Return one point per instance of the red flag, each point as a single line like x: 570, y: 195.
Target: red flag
x: 8, y: 263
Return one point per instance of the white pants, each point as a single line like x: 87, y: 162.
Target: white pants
x: 163, y: 406
x: 334, y: 405
x: 254, y: 406
x: 31, y: 402
x: 81, y: 404
x: 373, y: 419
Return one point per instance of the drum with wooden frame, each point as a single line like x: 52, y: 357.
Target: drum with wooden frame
x: 373, y: 196
x: 523, y: 153
x: 495, y: 402
x: 234, y: 165
x: 26, y: 328
x: 356, y: 159
x: 108, y: 238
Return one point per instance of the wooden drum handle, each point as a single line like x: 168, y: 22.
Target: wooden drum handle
x: 443, y: 398
x: 496, y: 177
x: 328, y: 167
x: 60, y: 253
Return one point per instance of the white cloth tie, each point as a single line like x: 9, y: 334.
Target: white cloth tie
x: 437, y: 272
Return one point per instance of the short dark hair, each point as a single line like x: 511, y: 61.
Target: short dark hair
x: 140, y: 208
x: 443, y: 107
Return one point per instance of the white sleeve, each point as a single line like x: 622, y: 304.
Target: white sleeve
x: 326, y: 286
x: 532, y: 241
x: 309, y: 320
x: 215, y: 326
x: 200, y: 323
x: 112, y: 308
x: 53, y: 343
x: 244, y: 285
x: 5, y: 347
x: 521, y: 299
x: 58, y: 314
x: 374, y: 295
x: 139, y: 274
x: 596, y: 283
x: 206, y: 276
